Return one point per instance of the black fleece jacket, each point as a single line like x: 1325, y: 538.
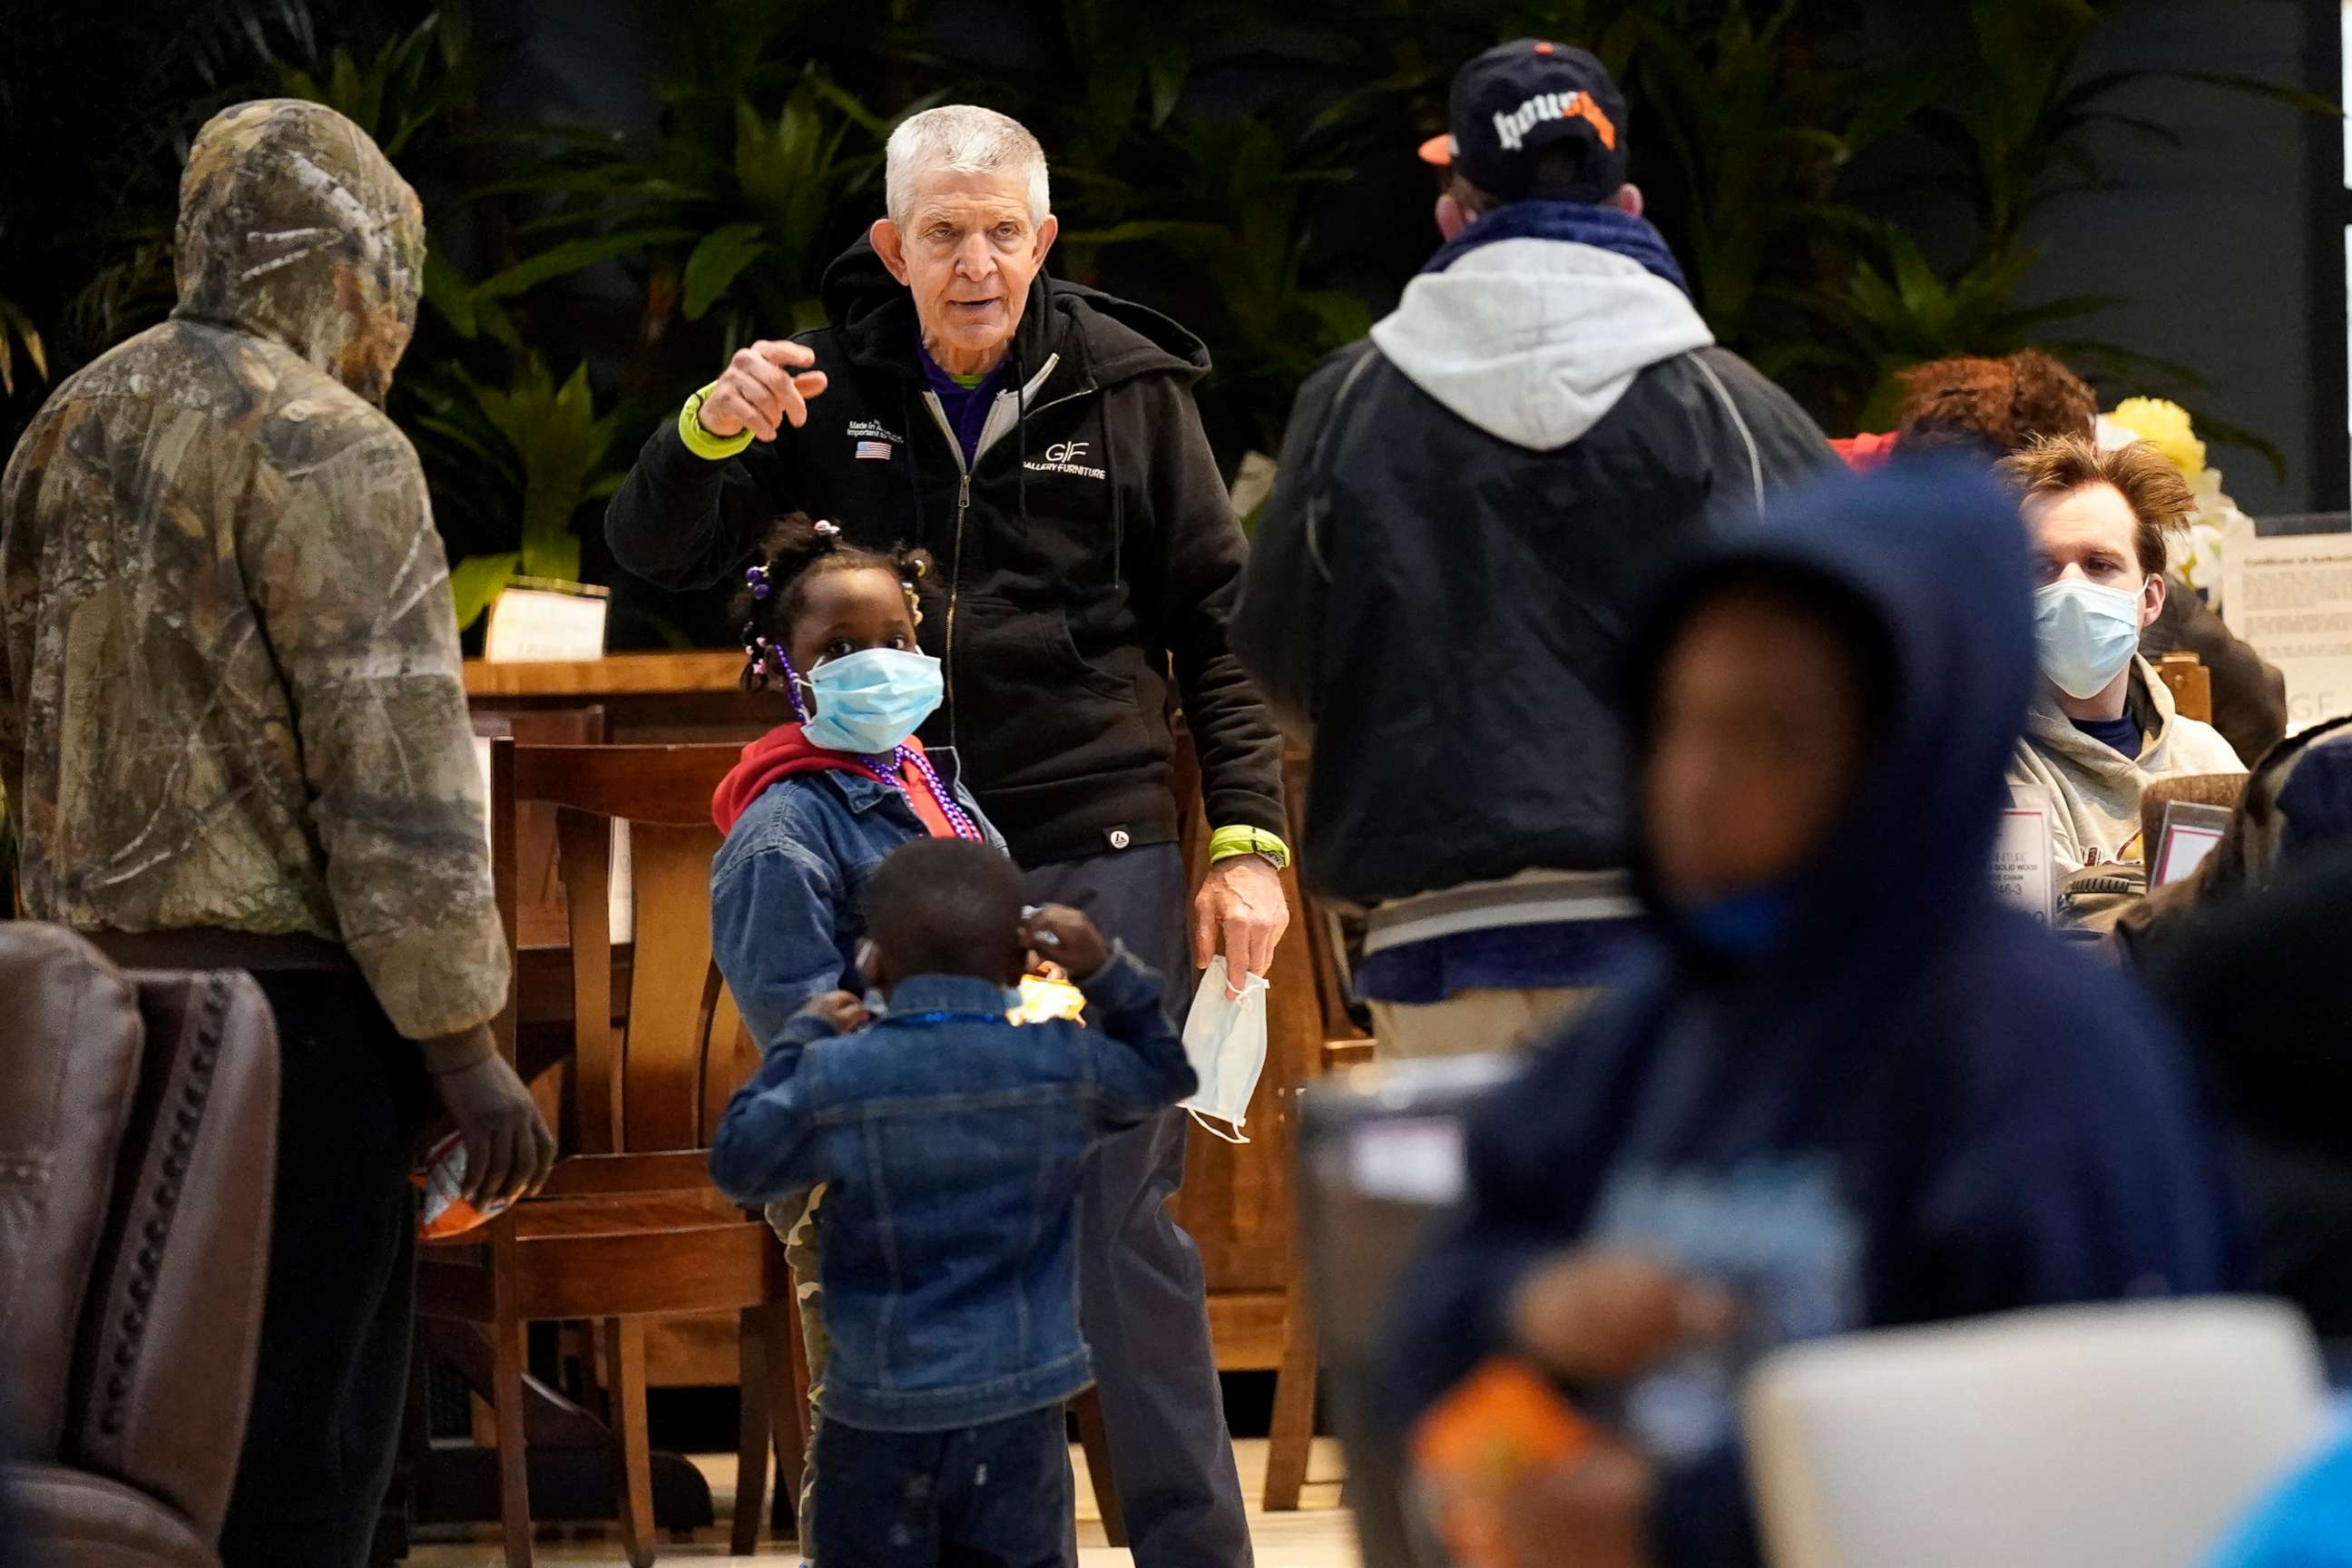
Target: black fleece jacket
x: 1090, y: 548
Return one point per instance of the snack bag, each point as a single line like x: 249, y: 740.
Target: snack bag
x: 1045, y: 998
x: 1472, y: 1448
x: 439, y: 1179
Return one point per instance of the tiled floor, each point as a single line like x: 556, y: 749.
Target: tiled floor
x: 1317, y: 1536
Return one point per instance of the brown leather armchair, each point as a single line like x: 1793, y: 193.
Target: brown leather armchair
x: 138, y: 1136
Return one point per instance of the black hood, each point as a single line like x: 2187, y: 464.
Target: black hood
x: 1932, y: 552
x: 1112, y: 340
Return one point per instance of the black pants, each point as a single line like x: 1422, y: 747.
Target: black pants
x: 333, y: 1370
x: 1143, y: 1296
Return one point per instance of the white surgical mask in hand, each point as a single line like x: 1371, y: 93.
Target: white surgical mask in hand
x: 1224, y: 1040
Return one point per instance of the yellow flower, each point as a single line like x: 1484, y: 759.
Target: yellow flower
x: 2163, y: 425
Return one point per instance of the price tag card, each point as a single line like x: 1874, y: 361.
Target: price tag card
x: 2189, y: 835
x: 2021, y: 862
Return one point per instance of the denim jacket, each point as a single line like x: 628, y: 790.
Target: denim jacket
x: 952, y: 1144
x: 786, y: 887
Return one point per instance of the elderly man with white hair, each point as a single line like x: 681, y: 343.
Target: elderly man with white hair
x: 1040, y: 440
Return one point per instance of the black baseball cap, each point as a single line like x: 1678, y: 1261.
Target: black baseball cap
x: 1520, y: 101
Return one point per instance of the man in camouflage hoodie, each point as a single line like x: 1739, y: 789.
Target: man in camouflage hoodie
x: 233, y: 734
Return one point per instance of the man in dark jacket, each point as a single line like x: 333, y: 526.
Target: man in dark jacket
x: 1849, y: 1090
x: 1040, y: 440
x: 1468, y: 505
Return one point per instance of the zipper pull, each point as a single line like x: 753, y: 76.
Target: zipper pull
x: 963, y: 492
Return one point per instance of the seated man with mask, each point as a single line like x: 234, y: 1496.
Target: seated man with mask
x: 2102, y: 725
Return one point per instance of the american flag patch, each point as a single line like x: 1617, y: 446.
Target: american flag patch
x: 874, y: 449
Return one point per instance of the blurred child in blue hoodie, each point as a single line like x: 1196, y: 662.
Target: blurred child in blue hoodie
x: 950, y: 1142
x: 1850, y: 1090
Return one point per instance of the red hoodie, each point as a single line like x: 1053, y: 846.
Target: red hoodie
x: 782, y: 753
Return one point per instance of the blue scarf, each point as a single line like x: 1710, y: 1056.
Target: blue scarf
x: 1579, y: 223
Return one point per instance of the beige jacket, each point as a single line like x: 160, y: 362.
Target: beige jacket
x: 231, y: 695
x: 2091, y: 791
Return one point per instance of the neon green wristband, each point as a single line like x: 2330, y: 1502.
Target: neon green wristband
x: 1230, y: 843
x: 701, y: 442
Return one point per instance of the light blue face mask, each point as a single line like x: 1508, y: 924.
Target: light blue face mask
x: 867, y: 702
x: 2086, y: 633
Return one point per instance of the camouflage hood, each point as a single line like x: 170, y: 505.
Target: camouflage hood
x: 295, y: 228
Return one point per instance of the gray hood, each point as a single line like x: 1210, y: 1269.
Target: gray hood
x: 1534, y: 341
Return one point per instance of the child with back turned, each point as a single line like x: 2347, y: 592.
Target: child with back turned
x: 952, y: 1142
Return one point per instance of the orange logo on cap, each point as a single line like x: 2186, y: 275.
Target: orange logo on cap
x: 1513, y: 127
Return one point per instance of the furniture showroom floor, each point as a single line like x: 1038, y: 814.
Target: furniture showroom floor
x: 1317, y: 1536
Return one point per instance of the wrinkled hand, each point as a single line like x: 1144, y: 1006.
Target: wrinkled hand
x: 763, y: 388
x: 509, y: 1149
x: 1060, y: 934
x: 1591, y: 1512
x: 1241, y: 913
x: 1604, y: 1317
x: 839, y: 1011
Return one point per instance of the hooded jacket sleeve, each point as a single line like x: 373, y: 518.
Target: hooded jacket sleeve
x: 1196, y: 557
x: 773, y: 910
x: 683, y: 522
x: 351, y: 590
x: 1278, y: 624
x: 1772, y: 444
x: 765, y: 1148
x: 1140, y: 1062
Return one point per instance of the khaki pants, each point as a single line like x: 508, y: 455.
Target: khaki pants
x: 794, y: 1219
x: 1470, y: 1022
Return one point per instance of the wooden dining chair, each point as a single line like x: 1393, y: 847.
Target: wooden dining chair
x: 629, y: 1226
x: 1335, y: 1043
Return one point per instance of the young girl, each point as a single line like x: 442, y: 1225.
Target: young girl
x: 817, y: 803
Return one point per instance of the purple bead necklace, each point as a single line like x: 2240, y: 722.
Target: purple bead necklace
x: 893, y: 768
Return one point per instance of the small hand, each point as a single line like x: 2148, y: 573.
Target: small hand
x: 1240, y: 911
x: 1591, y: 1512
x: 509, y: 1149
x: 1063, y: 935
x: 1605, y: 1317
x: 839, y: 1011
x: 763, y: 388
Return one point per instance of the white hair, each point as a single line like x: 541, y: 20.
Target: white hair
x: 961, y: 139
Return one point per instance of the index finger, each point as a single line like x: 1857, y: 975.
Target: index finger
x: 785, y: 353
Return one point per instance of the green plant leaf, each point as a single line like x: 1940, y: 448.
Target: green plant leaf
x: 475, y: 581
x: 445, y: 292
x: 1167, y: 60
x: 13, y: 323
x: 718, y: 261
x: 572, y: 256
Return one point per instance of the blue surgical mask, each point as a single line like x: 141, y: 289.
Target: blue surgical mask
x: 1744, y: 925
x: 2086, y: 633
x: 868, y: 702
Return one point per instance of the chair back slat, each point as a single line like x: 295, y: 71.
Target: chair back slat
x: 723, y: 1071
x: 649, y: 1088
x: 584, y: 845
x: 662, y: 1066
x: 504, y: 880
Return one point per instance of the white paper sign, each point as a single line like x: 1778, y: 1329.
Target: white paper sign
x: 531, y: 624
x: 2291, y: 597
x: 2021, y: 862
